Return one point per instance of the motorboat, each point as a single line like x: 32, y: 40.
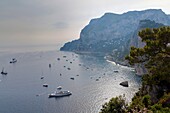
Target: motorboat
x: 45, y: 85
x: 49, y: 65
x: 59, y: 87
x: 60, y: 94
x: 13, y: 61
x: 3, y: 73
x: 116, y: 71
x: 72, y: 78
x: 42, y: 77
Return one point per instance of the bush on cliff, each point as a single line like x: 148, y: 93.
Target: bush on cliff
x: 154, y: 96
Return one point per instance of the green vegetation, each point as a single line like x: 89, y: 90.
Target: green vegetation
x: 115, y: 105
x: 154, y: 95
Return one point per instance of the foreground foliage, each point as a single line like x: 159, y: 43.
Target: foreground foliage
x: 154, y: 95
x: 115, y: 105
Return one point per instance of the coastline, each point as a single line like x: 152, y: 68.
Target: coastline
x: 138, y: 69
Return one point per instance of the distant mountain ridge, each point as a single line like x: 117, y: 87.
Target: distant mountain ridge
x: 113, y: 32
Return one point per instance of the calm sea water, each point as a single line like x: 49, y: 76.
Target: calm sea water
x: 19, y: 88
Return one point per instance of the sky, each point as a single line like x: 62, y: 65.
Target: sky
x: 44, y: 22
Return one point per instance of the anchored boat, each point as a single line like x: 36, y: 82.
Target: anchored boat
x: 60, y: 94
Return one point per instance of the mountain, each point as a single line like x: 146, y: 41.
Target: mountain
x: 112, y: 33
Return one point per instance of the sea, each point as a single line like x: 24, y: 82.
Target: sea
x: 95, y: 82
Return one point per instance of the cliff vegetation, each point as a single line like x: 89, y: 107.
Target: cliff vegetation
x: 154, y: 95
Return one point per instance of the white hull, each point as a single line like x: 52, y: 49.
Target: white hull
x: 60, y: 94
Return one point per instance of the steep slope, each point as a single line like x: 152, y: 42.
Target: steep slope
x: 136, y: 41
x: 111, y: 33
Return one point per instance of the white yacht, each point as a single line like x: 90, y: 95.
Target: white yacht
x: 60, y: 94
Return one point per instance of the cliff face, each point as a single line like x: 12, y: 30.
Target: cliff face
x: 136, y: 41
x: 111, y: 33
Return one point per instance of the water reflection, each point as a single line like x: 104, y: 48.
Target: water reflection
x: 23, y: 82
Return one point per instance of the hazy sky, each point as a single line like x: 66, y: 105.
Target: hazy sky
x: 36, y: 22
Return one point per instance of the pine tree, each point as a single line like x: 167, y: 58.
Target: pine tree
x: 155, y: 54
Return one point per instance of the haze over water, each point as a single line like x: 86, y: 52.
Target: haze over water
x: 19, y: 88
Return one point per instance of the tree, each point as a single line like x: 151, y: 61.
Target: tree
x: 155, y: 54
x: 115, y: 105
x: 156, y: 57
x: 146, y: 100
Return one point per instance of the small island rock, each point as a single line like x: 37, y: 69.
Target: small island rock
x: 125, y: 84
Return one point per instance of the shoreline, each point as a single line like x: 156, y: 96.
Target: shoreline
x: 138, y: 70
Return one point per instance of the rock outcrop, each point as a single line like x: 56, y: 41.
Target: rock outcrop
x: 125, y: 84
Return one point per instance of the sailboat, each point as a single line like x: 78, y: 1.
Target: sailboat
x: 42, y: 77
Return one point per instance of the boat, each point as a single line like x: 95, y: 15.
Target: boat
x: 3, y: 73
x: 45, y: 85
x: 59, y: 87
x: 49, y: 65
x: 72, y: 78
x: 116, y: 71
x: 13, y: 61
x: 42, y: 77
x: 60, y: 94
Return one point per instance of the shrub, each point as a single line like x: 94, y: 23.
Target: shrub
x: 115, y: 105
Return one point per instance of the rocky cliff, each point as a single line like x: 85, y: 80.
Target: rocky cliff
x: 136, y: 41
x: 112, y: 33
